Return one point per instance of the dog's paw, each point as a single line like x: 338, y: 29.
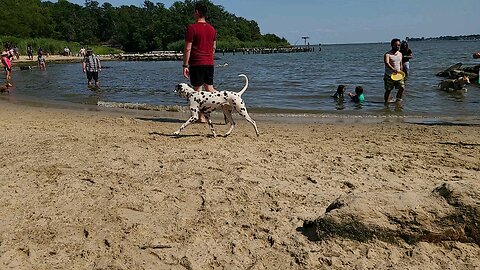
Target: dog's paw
x: 176, y: 132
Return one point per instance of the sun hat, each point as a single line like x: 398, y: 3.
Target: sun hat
x: 398, y: 76
x: 4, y: 53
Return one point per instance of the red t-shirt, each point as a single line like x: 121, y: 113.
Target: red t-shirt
x: 202, y: 35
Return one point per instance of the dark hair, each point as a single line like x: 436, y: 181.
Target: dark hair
x: 358, y: 90
x: 395, y: 40
x: 341, y: 86
x: 201, y: 8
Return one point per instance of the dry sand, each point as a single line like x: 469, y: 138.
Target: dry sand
x: 101, y: 190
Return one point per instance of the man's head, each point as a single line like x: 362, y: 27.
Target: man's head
x: 201, y: 10
x: 395, y: 43
x: 89, y: 51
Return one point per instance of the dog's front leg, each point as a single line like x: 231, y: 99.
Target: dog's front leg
x: 192, y: 119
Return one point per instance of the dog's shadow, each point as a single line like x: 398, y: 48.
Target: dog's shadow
x: 179, y: 136
x: 164, y: 120
x: 171, y: 135
x: 172, y: 120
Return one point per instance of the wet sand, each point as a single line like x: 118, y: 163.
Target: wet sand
x: 85, y: 189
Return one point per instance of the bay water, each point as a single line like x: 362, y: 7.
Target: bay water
x: 295, y: 83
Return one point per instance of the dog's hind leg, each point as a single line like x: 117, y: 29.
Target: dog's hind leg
x: 243, y: 112
x: 210, y: 124
x: 249, y: 119
x: 228, y: 114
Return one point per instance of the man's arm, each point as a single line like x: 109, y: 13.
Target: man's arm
x: 186, y: 58
x: 386, y: 60
x: 84, y: 66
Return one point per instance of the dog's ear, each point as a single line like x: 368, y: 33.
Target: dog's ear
x: 177, y: 88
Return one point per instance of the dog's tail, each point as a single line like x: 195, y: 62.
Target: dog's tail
x: 246, y: 84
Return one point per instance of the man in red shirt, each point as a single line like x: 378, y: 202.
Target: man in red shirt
x: 200, y: 44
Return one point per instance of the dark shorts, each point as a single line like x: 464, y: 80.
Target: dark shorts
x: 92, y: 75
x: 200, y: 75
x: 7, y: 69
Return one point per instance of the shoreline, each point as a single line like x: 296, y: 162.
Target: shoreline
x: 61, y: 59
x: 270, y: 115
x: 89, y: 189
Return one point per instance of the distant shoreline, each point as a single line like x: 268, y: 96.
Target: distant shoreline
x: 464, y: 37
x: 24, y: 61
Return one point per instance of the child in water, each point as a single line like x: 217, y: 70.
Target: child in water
x: 358, y: 96
x: 340, y: 92
x: 41, y: 59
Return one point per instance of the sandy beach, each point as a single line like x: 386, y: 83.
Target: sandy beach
x: 86, y: 189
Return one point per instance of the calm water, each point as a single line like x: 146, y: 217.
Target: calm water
x: 295, y: 82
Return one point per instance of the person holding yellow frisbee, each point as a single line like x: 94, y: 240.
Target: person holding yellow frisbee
x: 394, y: 76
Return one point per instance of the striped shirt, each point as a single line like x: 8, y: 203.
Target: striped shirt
x: 91, y: 63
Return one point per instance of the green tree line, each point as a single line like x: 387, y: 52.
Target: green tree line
x: 129, y: 28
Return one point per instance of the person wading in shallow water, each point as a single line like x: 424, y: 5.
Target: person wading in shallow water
x: 477, y: 56
x: 393, y: 65
x: 407, y: 55
x: 91, y: 66
x: 7, y: 66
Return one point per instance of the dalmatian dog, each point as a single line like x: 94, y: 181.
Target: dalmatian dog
x: 206, y: 102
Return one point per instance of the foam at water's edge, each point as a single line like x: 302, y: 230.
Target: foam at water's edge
x: 142, y: 106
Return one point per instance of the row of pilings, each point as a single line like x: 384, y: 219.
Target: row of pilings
x: 174, y: 55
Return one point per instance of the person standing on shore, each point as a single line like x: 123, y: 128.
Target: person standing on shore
x: 30, y: 52
x: 81, y: 52
x: 91, y: 66
x: 200, y: 45
x: 407, y: 55
x: 393, y: 65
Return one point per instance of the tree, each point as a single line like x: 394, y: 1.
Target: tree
x: 137, y: 29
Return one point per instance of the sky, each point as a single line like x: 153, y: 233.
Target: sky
x: 349, y: 21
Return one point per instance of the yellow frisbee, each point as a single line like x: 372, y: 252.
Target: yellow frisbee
x: 397, y: 77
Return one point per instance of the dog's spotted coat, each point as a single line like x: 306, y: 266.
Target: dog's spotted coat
x: 207, y: 102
